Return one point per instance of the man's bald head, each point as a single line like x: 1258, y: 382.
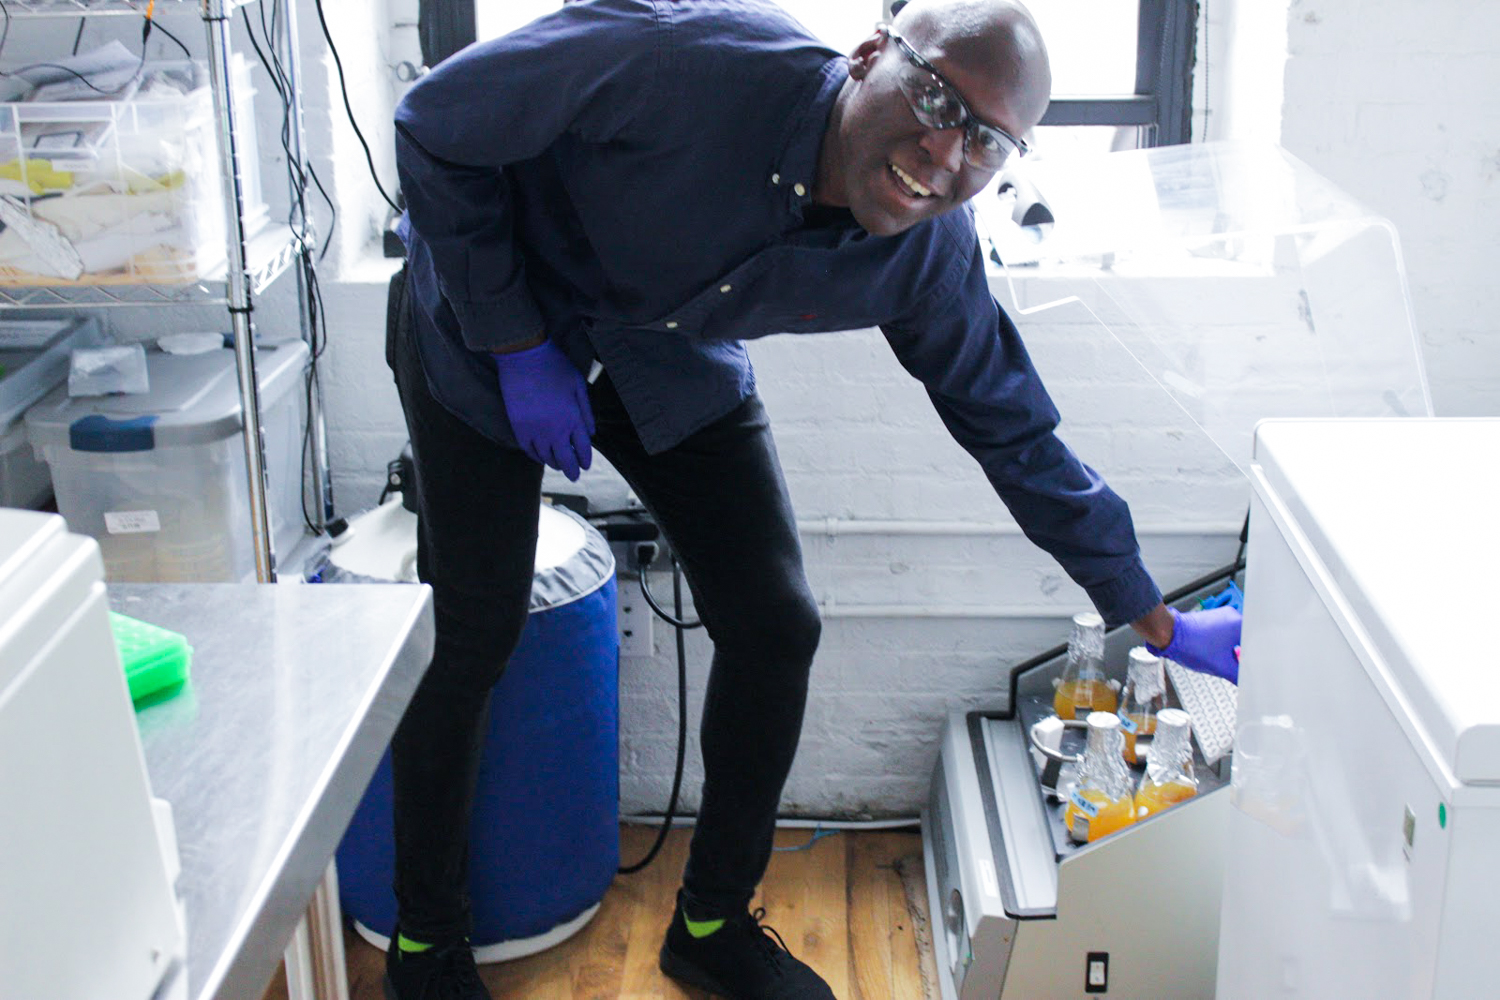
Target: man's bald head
x: 1000, y: 33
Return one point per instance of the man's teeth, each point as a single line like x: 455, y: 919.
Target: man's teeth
x: 911, y: 182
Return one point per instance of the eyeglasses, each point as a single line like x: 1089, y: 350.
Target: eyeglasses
x: 937, y: 105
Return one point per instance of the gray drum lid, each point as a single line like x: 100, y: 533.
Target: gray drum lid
x: 572, y: 558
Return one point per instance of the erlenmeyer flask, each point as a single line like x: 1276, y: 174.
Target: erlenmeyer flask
x: 1145, y: 694
x: 1083, y: 688
x: 1101, y: 803
x: 1169, y: 766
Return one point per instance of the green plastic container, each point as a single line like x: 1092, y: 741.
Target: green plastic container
x: 156, y: 659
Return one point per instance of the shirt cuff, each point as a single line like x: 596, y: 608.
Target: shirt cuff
x: 1127, y: 597
x: 500, y: 324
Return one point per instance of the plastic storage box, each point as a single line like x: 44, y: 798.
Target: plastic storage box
x: 33, y: 359
x: 121, y: 191
x: 159, y: 478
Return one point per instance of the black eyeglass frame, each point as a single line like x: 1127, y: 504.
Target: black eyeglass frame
x: 970, y: 122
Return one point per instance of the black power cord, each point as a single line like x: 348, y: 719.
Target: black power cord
x: 163, y: 29
x: 641, y: 533
x: 666, y: 823
x: 645, y: 556
x: 344, y: 90
x: 299, y: 172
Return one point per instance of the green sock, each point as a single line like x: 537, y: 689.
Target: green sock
x: 409, y: 946
x: 701, y: 928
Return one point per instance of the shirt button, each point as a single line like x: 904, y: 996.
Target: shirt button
x: 775, y: 178
x: 799, y: 189
x: 726, y: 288
x: 671, y: 324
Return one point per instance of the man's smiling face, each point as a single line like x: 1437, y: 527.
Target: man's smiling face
x: 891, y: 170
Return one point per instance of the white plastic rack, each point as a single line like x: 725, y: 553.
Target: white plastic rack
x: 268, y: 254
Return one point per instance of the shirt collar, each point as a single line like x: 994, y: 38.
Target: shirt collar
x: 795, y: 167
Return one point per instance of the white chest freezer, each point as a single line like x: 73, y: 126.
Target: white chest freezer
x: 1364, y: 833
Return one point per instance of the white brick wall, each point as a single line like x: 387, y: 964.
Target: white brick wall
x: 1400, y: 110
x: 859, y: 440
x: 1401, y: 107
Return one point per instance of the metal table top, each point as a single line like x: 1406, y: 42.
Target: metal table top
x: 294, y: 692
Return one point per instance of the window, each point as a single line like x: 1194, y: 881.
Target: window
x: 1101, y: 98
x: 1122, y: 69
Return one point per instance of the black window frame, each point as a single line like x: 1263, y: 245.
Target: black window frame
x: 1162, y: 104
x: 444, y: 27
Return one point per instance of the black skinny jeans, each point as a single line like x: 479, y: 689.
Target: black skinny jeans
x: 720, y: 499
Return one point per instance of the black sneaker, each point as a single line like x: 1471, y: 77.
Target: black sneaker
x: 442, y: 972
x: 743, y: 960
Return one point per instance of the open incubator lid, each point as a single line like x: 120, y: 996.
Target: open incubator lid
x: 1243, y: 284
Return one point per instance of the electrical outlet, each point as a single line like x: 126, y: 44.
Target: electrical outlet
x: 635, y: 618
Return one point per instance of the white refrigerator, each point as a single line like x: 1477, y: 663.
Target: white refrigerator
x: 1364, y: 834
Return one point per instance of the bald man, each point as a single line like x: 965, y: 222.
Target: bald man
x: 636, y: 188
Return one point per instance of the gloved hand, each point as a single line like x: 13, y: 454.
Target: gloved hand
x: 548, y: 405
x: 1207, y: 641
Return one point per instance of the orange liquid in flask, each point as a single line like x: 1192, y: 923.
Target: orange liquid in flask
x: 1145, y: 725
x: 1153, y: 798
x: 1112, y: 815
x: 1076, y: 699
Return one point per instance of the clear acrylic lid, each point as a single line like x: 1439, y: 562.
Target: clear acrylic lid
x: 1242, y: 283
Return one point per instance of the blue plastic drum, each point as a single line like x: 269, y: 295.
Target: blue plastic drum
x: 544, y: 843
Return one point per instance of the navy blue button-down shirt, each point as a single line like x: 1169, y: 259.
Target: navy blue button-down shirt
x: 631, y: 178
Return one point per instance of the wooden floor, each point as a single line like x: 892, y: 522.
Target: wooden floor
x: 852, y: 904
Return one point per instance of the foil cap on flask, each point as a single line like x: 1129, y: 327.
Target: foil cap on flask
x: 1088, y: 636
x: 1103, y: 764
x: 1172, y: 749
x: 1145, y: 673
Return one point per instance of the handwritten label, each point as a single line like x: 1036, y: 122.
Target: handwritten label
x: 1083, y: 805
x: 131, y: 522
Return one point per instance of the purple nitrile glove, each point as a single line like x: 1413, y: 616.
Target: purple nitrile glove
x: 1207, y: 641
x: 548, y: 405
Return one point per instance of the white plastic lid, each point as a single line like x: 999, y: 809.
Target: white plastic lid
x: 1402, y: 515
x: 193, y: 399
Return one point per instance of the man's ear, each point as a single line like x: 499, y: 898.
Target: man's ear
x: 863, y: 56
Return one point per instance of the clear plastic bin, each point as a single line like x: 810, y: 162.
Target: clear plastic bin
x: 159, y: 478
x: 23, y: 479
x: 122, y: 191
x: 33, y: 359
